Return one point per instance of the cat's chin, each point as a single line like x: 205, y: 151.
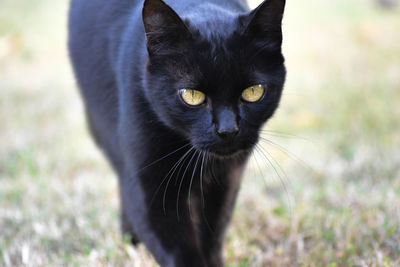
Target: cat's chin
x: 228, y: 153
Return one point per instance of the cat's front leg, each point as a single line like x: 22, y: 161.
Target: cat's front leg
x: 217, y: 214
x: 173, y: 243
x: 126, y: 227
x: 219, y: 199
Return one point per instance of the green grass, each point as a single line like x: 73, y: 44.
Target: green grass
x: 335, y: 201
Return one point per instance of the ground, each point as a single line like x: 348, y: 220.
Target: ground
x: 331, y: 198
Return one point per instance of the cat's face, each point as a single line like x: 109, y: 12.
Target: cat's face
x: 215, y: 80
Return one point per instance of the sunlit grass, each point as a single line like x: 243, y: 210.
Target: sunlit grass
x: 334, y: 202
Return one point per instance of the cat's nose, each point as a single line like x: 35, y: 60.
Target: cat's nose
x: 228, y: 133
x: 227, y: 126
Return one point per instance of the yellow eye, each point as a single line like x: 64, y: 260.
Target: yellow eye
x: 192, y: 97
x: 253, y: 93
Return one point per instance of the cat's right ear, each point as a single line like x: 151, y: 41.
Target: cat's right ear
x: 163, y: 27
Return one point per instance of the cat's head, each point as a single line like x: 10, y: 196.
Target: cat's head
x: 215, y: 76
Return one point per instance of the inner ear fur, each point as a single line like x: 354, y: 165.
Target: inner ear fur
x: 162, y: 25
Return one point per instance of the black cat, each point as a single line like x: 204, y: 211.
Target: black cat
x: 176, y: 102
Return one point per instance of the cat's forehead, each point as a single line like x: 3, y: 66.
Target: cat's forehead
x: 218, y: 24
x: 213, y: 65
x: 214, y: 71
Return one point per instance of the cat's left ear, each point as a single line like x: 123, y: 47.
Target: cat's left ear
x: 163, y: 27
x: 265, y: 23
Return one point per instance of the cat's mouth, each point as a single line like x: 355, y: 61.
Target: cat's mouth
x: 226, y: 151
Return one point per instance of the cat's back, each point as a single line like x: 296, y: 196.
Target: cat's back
x: 184, y: 6
x: 95, y: 28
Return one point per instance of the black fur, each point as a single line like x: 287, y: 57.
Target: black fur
x: 179, y: 167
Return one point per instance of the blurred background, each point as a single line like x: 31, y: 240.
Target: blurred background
x: 322, y: 188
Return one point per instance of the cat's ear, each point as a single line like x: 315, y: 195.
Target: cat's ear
x: 163, y: 27
x: 264, y: 23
